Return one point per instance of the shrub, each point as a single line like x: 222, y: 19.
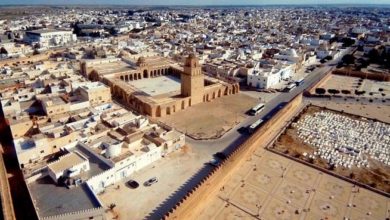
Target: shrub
x: 320, y: 91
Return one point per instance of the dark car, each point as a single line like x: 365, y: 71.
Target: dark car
x: 133, y: 184
x: 242, y: 130
x: 220, y: 155
x: 151, y: 181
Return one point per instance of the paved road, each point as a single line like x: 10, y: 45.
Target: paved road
x: 203, y: 151
x: 233, y: 138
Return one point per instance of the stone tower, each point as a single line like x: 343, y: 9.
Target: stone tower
x: 192, y: 80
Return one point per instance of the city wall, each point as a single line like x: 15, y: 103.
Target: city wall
x: 5, y: 192
x: 324, y: 79
x: 196, y: 199
x: 31, y: 58
x: 365, y: 75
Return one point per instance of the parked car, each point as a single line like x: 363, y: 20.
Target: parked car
x: 151, y: 181
x: 133, y: 184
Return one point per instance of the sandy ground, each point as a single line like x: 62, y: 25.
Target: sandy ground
x: 172, y: 172
x: 377, y: 174
x: 352, y: 83
x: 212, y: 119
x: 270, y: 186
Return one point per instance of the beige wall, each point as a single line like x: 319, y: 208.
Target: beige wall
x: 198, y: 198
x: 97, y: 95
x: 55, y: 109
x: 47, y: 147
x: 5, y: 192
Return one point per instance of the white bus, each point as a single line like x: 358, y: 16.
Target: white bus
x: 257, y: 109
x: 252, y: 128
x: 290, y: 87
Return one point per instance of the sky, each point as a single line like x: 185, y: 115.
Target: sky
x: 192, y: 2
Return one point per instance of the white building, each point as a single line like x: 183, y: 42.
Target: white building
x: 70, y: 165
x: 50, y: 38
x: 267, y: 76
x: 287, y: 55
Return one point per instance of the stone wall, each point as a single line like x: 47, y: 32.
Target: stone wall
x: 196, y: 199
x: 365, y: 75
x: 5, y: 192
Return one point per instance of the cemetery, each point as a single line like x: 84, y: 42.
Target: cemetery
x: 349, y: 145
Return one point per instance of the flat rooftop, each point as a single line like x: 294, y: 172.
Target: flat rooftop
x: 157, y: 86
x: 67, y: 161
x: 51, y: 199
x: 113, y: 67
x: 96, y: 165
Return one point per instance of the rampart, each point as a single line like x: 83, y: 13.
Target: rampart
x: 206, y: 189
x: 365, y: 75
x: 5, y: 192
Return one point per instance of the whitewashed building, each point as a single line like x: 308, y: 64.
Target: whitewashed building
x: 267, y: 76
x: 49, y: 38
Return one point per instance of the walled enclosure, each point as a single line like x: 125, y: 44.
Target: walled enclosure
x: 197, y: 198
x: 195, y: 88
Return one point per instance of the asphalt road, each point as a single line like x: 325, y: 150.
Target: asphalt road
x: 205, y: 149
x: 230, y: 140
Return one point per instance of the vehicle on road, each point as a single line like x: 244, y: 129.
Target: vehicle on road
x: 252, y: 128
x: 257, y: 109
x: 242, y: 130
x: 132, y: 184
x: 290, y: 87
x: 151, y: 181
x: 299, y: 82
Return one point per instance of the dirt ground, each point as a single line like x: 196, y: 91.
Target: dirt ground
x: 377, y: 176
x: 270, y: 186
x: 373, y: 88
x: 212, y: 119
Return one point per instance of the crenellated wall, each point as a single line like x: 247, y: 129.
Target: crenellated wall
x: 5, y: 191
x: 195, y: 200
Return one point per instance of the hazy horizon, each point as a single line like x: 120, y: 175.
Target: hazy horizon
x: 192, y: 3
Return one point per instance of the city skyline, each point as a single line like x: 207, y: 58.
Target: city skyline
x: 174, y: 109
x: 196, y: 2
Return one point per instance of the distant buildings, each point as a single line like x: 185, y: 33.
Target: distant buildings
x: 72, y: 141
x: 49, y: 38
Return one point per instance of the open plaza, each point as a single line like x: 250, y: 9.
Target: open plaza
x: 158, y: 86
x: 212, y: 119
